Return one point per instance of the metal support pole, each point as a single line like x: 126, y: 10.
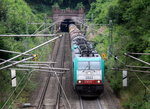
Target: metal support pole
x: 27, y: 30
x: 136, y: 59
x: 140, y: 53
x: 40, y: 67
x: 110, y: 49
x: 15, y: 63
x: 132, y: 70
x: 30, y: 50
x: 45, y: 21
x: 29, y: 35
x: 38, y: 70
x: 142, y: 67
x: 36, y: 62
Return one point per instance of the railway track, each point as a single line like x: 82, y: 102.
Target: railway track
x: 53, y: 97
x: 51, y: 93
x: 90, y: 104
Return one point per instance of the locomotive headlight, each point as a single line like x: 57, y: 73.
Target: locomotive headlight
x: 79, y: 81
x: 98, y: 81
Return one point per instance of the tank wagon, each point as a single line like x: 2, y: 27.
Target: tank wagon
x: 87, y: 64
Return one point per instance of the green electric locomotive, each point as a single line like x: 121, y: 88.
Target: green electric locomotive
x: 88, y: 66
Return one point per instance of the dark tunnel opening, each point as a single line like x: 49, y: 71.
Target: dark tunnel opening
x: 64, y: 27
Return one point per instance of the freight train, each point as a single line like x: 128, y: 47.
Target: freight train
x: 87, y: 64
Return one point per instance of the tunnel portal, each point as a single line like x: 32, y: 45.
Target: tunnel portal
x: 64, y: 27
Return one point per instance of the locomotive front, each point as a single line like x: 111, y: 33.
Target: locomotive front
x: 88, y: 66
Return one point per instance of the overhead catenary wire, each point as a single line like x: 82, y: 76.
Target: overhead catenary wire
x: 61, y: 86
x: 142, y: 82
x: 115, y: 57
x: 37, y: 70
x: 14, y: 52
x: 13, y: 92
x: 136, y: 66
x: 38, y: 28
x: 28, y: 77
x: 40, y: 67
x: 28, y: 35
x: 63, y: 90
x: 30, y: 50
x: 148, y: 72
x: 32, y: 62
x: 38, y: 62
x: 133, y: 71
x: 7, y: 66
x: 142, y: 67
x: 24, y: 76
x: 48, y: 27
x: 136, y: 59
x: 139, y: 53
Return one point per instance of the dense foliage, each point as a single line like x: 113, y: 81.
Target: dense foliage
x: 131, y: 29
x: 61, y: 3
x: 14, y: 18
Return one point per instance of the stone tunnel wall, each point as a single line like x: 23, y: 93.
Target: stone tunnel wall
x: 59, y: 15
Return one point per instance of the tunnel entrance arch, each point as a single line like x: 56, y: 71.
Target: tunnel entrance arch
x: 64, y: 26
x: 63, y: 17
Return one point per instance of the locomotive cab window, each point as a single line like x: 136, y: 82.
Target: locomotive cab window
x: 87, y: 65
x: 95, y: 65
x: 83, y: 65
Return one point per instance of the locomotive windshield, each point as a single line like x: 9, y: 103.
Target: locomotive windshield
x: 95, y: 65
x: 88, y: 65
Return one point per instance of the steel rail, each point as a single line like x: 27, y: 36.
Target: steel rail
x: 99, y: 104
x: 30, y: 50
x: 40, y: 104
x: 62, y: 60
x: 63, y: 90
x: 61, y: 63
x: 81, y: 103
x: 45, y: 87
x: 96, y: 103
x: 60, y: 88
